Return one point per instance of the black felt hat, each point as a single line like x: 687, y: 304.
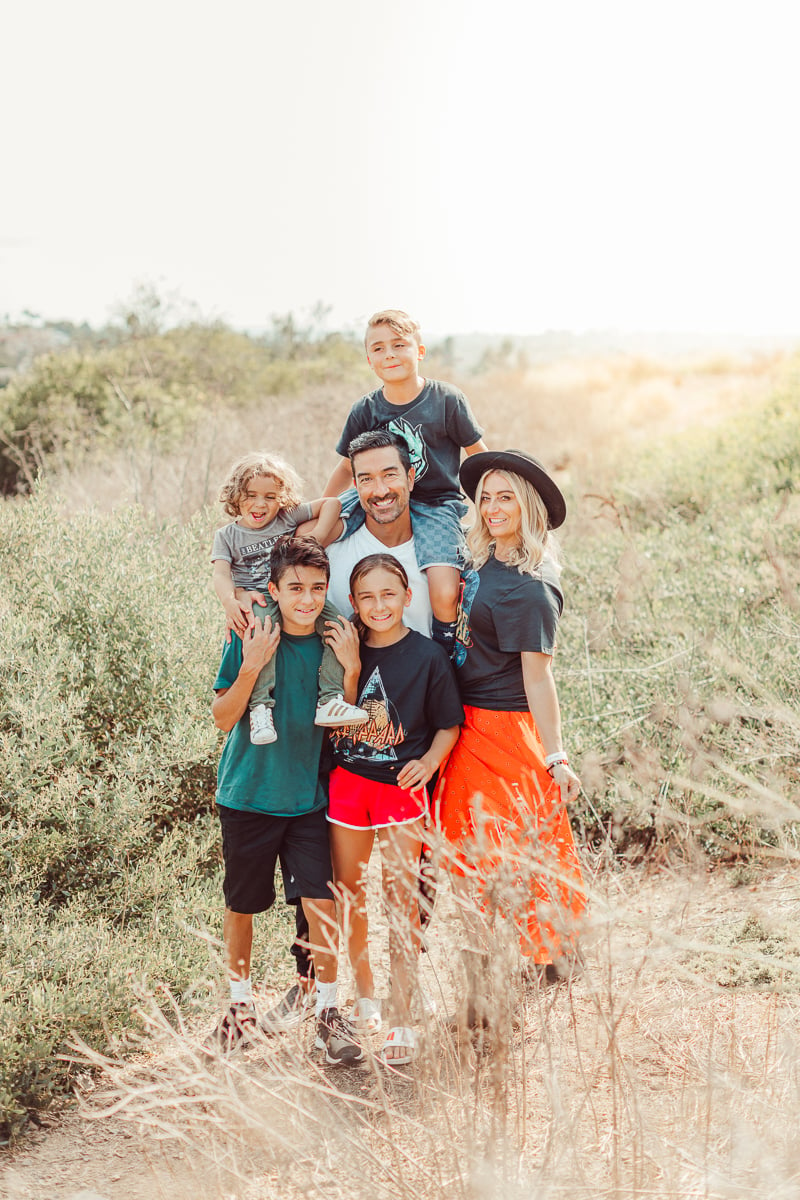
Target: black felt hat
x: 518, y: 463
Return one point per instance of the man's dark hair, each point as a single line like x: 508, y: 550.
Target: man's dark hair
x: 379, y: 439
x: 297, y: 552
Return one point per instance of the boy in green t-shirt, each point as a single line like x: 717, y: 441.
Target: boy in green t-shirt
x: 270, y: 800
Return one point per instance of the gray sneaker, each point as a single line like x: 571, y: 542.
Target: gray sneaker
x: 337, y: 1038
x: 238, y: 1027
x: 295, y: 1007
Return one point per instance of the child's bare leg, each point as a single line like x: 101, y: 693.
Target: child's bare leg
x: 323, y: 937
x: 350, y: 851
x: 444, y: 584
x: 400, y: 847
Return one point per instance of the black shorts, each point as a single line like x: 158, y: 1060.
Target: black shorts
x: 253, y: 842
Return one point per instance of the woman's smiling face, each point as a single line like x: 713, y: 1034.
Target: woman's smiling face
x: 500, y: 509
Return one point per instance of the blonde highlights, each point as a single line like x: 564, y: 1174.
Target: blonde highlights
x: 251, y: 466
x: 397, y: 320
x: 535, y: 538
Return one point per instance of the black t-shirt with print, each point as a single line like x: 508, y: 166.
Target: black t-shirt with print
x: 410, y: 691
x: 502, y: 614
x: 436, y: 424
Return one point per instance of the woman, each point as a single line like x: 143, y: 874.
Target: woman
x: 501, y: 804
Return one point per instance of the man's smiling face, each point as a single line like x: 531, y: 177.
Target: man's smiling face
x: 383, y: 486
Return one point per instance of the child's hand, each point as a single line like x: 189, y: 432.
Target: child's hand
x: 342, y: 638
x: 415, y: 774
x: 238, y: 615
x: 259, y: 643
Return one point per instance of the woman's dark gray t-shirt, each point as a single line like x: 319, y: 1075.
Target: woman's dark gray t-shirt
x: 501, y: 615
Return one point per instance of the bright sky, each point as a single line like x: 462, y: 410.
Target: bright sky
x: 496, y: 165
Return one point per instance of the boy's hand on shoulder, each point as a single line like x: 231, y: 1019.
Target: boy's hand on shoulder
x: 259, y: 643
x: 342, y: 638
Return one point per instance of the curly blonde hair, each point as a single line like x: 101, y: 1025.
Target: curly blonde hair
x: 248, y: 467
x: 535, y: 537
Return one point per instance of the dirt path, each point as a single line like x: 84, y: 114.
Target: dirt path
x: 648, y: 1075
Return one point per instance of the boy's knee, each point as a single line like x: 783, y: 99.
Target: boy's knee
x: 443, y: 587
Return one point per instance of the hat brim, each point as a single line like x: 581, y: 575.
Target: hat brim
x: 517, y: 463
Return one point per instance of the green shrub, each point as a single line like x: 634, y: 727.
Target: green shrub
x: 679, y: 668
x: 110, y: 642
x: 79, y: 402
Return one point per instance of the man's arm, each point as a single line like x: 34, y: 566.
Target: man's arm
x: 259, y: 643
x: 478, y: 447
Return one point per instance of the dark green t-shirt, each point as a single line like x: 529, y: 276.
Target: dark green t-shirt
x: 281, y: 779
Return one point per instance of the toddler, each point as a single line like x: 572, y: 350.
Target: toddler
x: 262, y: 493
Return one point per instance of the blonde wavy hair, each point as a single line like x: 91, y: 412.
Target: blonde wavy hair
x: 249, y: 467
x: 535, y: 538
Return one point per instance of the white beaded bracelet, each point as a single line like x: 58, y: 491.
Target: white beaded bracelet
x: 558, y: 757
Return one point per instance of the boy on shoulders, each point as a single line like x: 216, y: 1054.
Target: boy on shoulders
x: 436, y: 421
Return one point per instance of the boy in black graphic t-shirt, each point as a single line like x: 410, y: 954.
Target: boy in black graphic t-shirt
x: 436, y: 421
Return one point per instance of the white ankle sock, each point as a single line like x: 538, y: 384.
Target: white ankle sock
x: 326, y: 996
x: 241, y: 991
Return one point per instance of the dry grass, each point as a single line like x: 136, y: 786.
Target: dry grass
x: 648, y: 1074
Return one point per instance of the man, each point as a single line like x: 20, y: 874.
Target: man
x: 270, y: 798
x: 384, y: 479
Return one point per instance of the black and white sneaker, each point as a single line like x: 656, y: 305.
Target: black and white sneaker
x: 295, y: 1007
x: 238, y: 1027
x: 337, y: 1038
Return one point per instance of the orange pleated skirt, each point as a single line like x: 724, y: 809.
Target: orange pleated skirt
x: 502, y: 821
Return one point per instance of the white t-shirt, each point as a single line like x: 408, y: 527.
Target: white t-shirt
x: 344, y: 555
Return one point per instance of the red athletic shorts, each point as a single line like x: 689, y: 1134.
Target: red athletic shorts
x: 359, y: 803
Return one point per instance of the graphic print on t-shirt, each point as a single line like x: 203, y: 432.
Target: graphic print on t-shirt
x: 255, y: 559
x: 375, y: 740
x: 469, y: 587
x: 416, y: 444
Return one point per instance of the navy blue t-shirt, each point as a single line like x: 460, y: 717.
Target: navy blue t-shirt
x: 436, y: 424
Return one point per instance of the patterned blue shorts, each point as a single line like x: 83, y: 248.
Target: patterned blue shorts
x: 438, y: 532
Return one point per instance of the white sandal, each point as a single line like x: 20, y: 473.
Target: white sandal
x: 399, y: 1037
x: 367, y: 1014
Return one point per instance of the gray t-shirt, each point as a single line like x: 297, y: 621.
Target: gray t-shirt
x: 248, y: 550
x: 435, y: 425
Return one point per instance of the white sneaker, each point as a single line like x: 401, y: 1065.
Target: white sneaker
x: 262, y: 730
x: 337, y: 711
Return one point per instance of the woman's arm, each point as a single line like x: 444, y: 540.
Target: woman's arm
x: 415, y: 774
x: 540, y: 689
x: 259, y: 643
